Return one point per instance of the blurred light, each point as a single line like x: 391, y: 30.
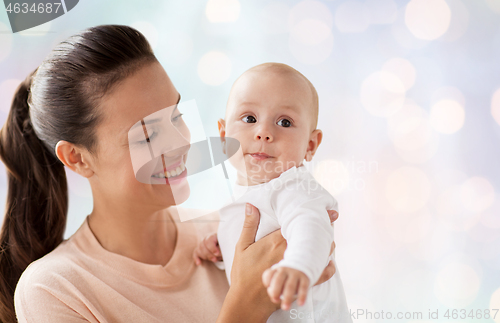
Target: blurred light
x: 311, y: 38
x: 221, y: 11
x: 412, y: 285
x: 311, y: 50
x: 490, y: 218
x: 408, y: 227
x: 448, y: 93
x: 274, y: 18
x: 477, y: 194
x: 5, y: 40
x: 494, y: 5
x: 427, y: 19
x: 452, y: 213
x: 214, y: 68
x: 40, y: 30
x: 310, y: 9
x: 403, y: 36
x: 367, y: 266
x: 382, y: 11
x: 148, y: 30
x: 352, y: 17
x: 447, y: 116
x: 409, y: 128
x: 382, y: 93
x: 435, y: 245
x: 445, y: 177
x: 7, y: 91
x: 332, y: 175
x: 456, y: 285
x: 459, y: 21
x: 408, y: 189
x: 375, y: 197
x: 311, y: 32
x: 403, y: 69
x: 495, y: 106
x: 182, y: 43
x: 495, y: 304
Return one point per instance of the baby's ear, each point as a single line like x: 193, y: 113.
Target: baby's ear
x: 221, y: 124
x: 314, y: 142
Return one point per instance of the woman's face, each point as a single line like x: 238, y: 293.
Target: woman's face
x: 147, y: 91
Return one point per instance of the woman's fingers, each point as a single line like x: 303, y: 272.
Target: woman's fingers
x: 328, y: 272
x: 334, y: 215
x: 250, y: 226
x: 332, y: 247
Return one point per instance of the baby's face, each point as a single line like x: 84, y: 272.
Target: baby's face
x: 272, y: 117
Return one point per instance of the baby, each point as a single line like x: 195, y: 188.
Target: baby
x: 272, y: 111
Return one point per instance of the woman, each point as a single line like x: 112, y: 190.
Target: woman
x: 131, y: 260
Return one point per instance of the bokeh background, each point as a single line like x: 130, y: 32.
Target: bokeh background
x: 410, y: 109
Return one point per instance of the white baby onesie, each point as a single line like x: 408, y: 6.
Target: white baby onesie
x: 296, y: 203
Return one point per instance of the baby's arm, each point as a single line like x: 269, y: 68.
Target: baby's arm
x: 305, y: 224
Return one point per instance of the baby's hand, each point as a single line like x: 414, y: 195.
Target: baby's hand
x: 283, y: 284
x: 208, y: 249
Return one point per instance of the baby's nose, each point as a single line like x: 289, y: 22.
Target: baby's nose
x: 264, y: 135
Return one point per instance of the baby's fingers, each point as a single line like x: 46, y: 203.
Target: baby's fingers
x: 212, y: 244
x: 276, y: 287
x: 205, y: 252
x: 289, y: 292
x: 267, y: 275
x: 303, y: 287
x: 197, y: 257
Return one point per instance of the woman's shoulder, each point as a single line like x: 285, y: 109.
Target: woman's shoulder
x: 58, y: 263
x: 47, y: 283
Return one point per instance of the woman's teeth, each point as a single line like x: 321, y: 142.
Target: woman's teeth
x: 173, y: 172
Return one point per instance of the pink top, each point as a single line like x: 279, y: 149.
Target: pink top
x: 81, y: 281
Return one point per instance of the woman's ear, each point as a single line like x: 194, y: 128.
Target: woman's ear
x: 314, y: 142
x: 75, y: 158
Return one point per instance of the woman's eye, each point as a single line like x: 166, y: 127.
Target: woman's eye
x: 143, y: 142
x: 284, y: 123
x: 177, y: 117
x: 249, y: 119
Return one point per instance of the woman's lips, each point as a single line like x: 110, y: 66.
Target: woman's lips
x: 170, y: 168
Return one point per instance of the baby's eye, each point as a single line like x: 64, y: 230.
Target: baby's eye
x: 249, y: 119
x: 284, y: 123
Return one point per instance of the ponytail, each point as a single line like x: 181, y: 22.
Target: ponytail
x: 59, y: 101
x: 37, y: 199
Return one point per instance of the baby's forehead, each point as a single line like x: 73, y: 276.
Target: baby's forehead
x: 261, y: 76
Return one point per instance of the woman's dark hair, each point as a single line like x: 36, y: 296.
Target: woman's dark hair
x: 58, y: 101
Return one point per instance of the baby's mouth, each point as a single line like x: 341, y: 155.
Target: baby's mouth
x: 260, y: 156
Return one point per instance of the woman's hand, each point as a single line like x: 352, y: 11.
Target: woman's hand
x: 247, y: 299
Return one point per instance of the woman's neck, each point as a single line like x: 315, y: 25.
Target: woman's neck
x: 148, y: 238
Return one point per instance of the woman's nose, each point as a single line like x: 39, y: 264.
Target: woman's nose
x: 174, y: 144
